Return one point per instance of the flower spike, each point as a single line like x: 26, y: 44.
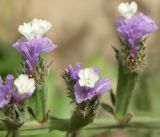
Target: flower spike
x: 131, y: 55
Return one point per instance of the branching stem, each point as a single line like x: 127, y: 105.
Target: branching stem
x: 108, y: 123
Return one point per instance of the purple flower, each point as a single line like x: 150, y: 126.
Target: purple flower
x: 132, y: 30
x: 5, y: 90
x: 83, y: 94
x: 74, y: 73
x: 89, y: 85
x: 16, y: 97
x: 31, y: 50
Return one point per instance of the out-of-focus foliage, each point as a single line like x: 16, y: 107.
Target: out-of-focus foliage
x: 9, y: 59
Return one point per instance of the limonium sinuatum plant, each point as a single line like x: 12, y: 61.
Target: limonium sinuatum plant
x: 132, y: 27
x: 23, y: 97
x: 31, y: 45
x: 85, y: 88
x: 29, y: 84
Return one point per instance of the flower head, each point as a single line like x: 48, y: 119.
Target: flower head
x: 89, y: 85
x: 25, y: 87
x: 127, y: 10
x: 133, y: 27
x: 34, y: 29
x: 35, y: 43
x: 5, y: 90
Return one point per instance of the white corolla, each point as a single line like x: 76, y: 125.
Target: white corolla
x: 88, y: 77
x: 25, y: 85
x: 127, y: 10
x: 34, y: 29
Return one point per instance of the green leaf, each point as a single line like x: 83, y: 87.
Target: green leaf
x: 58, y: 124
x: 113, y: 98
x: 30, y: 110
x: 108, y: 108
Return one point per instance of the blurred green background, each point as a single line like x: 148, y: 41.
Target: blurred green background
x: 85, y: 32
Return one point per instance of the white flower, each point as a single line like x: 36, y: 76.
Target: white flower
x: 34, y: 29
x: 25, y: 85
x: 88, y: 77
x: 127, y: 10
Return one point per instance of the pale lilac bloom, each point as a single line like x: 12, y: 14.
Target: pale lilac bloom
x: 5, y: 90
x: 31, y: 50
x: 97, y: 88
x: 132, y: 30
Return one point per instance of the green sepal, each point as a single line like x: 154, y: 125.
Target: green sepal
x: 83, y: 115
x: 70, y: 85
x: 14, y: 116
x: 38, y: 101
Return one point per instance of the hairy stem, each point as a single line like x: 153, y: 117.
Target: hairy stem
x: 83, y: 115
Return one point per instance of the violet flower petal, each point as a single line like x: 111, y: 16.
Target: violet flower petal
x: 74, y: 73
x: 9, y: 80
x: 5, y: 96
x: 133, y: 29
x: 102, y: 86
x: 82, y: 94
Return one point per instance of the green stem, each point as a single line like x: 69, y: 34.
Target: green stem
x: 74, y: 134
x: 108, y: 123
x: 126, y: 85
x: 136, y: 123
x: 9, y: 134
x: 15, y: 133
x: 12, y: 134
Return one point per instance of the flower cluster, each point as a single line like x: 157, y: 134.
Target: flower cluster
x: 84, y: 84
x: 33, y: 43
x: 133, y: 27
x: 15, y: 90
x: 87, y: 83
x: 30, y: 46
x: 131, y: 55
